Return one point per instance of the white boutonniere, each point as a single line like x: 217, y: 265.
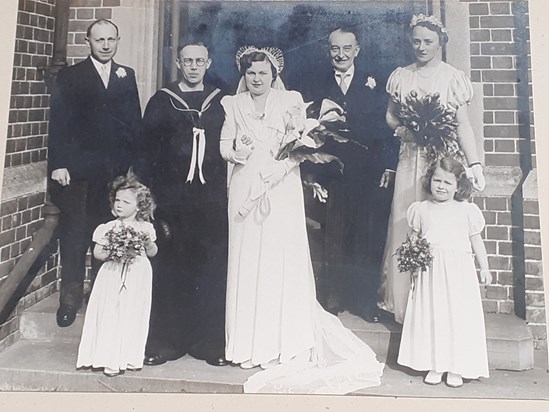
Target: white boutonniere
x: 121, y: 72
x: 371, y: 82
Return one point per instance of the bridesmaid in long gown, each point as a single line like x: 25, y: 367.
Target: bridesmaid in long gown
x: 273, y: 319
x: 428, y: 74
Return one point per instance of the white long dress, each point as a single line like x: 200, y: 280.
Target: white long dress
x: 272, y: 312
x: 455, y: 90
x: 444, y: 324
x: 117, y: 317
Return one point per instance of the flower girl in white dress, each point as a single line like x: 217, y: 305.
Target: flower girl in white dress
x: 117, y: 317
x: 443, y: 329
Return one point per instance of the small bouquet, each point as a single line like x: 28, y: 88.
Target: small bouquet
x: 433, y: 125
x: 123, y: 245
x: 414, y: 255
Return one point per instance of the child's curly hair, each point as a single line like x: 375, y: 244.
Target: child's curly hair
x: 450, y: 165
x: 145, y: 200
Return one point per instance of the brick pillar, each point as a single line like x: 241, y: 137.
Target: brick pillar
x: 500, y: 62
x: 23, y: 189
x: 534, y: 285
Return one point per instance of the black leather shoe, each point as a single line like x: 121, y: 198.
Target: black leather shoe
x: 217, y: 361
x: 65, y: 316
x: 371, y: 317
x: 154, y: 360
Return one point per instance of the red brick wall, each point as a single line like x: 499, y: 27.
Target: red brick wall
x: 82, y: 14
x: 535, y: 298
x: 498, y: 297
x: 500, y: 59
x: 26, y: 145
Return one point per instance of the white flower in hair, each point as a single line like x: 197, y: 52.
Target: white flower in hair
x: 422, y: 18
x: 371, y: 82
x: 121, y: 72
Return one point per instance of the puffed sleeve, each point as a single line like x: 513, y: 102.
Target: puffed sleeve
x: 228, y: 133
x: 475, y: 219
x: 461, y: 89
x: 394, y: 85
x: 148, y: 229
x: 414, y: 216
x: 99, y: 233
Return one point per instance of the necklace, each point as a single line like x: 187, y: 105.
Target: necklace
x: 424, y: 72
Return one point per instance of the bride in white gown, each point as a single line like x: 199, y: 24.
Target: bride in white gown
x: 273, y: 319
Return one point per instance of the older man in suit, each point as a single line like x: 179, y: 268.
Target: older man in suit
x: 358, y: 203
x: 94, y: 123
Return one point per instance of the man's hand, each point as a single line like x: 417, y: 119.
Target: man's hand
x: 387, y: 178
x: 61, y: 176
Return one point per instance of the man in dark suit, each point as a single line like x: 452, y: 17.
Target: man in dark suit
x: 94, y: 122
x: 359, y: 199
x: 182, y: 125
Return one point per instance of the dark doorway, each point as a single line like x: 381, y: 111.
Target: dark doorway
x: 299, y: 29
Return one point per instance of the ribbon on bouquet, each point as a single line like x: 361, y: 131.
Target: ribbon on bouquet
x: 258, y: 197
x: 266, y: 179
x: 197, y: 157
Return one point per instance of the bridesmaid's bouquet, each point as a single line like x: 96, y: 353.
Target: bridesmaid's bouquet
x: 433, y: 126
x: 124, y: 244
x: 413, y: 256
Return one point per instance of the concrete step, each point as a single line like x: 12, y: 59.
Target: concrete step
x: 39, y: 322
x: 50, y: 366
x: 509, y: 341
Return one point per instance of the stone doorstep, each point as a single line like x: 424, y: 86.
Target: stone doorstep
x: 50, y: 366
x: 509, y: 341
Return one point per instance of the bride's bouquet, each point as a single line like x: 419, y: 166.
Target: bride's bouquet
x: 432, y: 125
x: 302, y: 140
x: 305, y: 136
x: 413, y: 256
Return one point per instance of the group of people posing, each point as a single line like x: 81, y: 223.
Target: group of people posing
x: 231, y: 281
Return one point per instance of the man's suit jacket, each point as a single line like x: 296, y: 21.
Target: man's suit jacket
x: 365, y: 108
x: 94, y: 131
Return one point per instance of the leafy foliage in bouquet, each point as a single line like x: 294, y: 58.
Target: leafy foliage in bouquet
x: 413, y: 256
x: 304, y: 137
x: 124, y: 244
x: 433, y: 125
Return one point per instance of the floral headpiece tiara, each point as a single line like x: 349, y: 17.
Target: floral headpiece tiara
x: 273, y: 54
x: 422, y: 18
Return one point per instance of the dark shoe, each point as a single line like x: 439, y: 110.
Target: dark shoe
x: 371, y: 317
x: 65, y: 316
x: 217, y: 361
x: 154, y: 360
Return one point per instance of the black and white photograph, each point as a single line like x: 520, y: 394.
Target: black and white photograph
x: 282, y: 198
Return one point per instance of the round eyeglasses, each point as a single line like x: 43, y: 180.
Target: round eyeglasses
x: 189, y: 62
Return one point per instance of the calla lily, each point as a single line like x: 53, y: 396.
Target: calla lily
x: 329, y: 105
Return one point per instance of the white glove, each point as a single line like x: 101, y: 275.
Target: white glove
x: 479, y: 182
x: 243, y: 146
x: 275, y: 172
